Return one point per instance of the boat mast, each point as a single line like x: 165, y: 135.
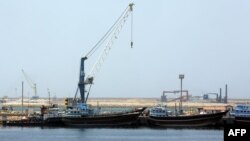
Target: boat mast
x: 22, y: 97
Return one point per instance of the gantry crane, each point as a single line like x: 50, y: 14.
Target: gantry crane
x: 110, y: 36
x: 174, y: 92
x: 206, y: 96
x: 31, y: 84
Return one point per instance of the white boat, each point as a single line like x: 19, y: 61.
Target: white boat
x: 161, y: 116
x: 52, y: 115
x: 242, y: 114
x: 159, y: 111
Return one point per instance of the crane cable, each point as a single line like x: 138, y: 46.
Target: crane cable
x: 131, y: 41
x: 88, y: 93
x: 109, y: 44
x: 106, y: 35
x: 74, y: 100
x: 115, y: 32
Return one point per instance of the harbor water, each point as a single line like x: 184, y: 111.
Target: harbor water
x: 108, y: 134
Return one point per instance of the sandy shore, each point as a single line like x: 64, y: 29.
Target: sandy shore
x: 122, y: 102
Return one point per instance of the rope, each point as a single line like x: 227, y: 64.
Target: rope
x: 131, y: 43
x: 106, y: 35
x: 76, y: 94
x: 88, y: 93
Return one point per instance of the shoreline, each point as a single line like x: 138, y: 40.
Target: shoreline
x: 123, y: 102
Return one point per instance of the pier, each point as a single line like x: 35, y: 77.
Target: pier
x: 11, y: 117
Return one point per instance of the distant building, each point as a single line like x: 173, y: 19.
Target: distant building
x: 163, y: 98
x: 215, y: 109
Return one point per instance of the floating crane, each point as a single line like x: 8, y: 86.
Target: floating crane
x: 111, y: 35
x: 31, y: 84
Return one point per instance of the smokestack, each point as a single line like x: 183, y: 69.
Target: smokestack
x: 226, y: 94
x: 220, y: 96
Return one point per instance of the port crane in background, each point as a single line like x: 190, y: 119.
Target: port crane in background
x: 31, y: 84
x: 109, y: 38
x: 184, y: 98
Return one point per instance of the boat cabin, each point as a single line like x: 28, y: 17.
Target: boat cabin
x: 242, y: 110
x: 159, y: 111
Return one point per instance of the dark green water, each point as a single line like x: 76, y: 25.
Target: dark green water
x: 108, y: 134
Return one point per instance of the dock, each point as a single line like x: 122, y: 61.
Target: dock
x: 119, y: 103
x: 11, y: 117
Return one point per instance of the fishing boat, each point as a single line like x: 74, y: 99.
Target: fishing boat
x: 160, y: 116
x: 87, y: 118
x: 242, y: 114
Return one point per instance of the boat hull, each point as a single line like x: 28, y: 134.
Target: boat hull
x: 186, y: 121
x: 126, y: 119
x: 242, y: 120
x: 53, y: 121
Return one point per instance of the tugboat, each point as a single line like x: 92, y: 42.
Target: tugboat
x: 52, y: 115
x: 160, y: 116
x: 242, y: 114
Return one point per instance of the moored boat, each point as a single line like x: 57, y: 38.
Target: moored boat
x: 76, y: 118
x: 81, y: 114
x: 242, y: 114
x: 122, y: 119
x: 167, y: 120
x: 52, y: 116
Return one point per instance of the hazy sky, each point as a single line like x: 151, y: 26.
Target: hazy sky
x: 207, y: 40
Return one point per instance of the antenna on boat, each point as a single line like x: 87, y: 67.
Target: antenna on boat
x: 49, y: 96
x: 22, y: 97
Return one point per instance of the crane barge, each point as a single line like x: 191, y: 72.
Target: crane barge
x: 81, y: 114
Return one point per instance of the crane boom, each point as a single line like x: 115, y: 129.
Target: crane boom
x: 112, y: 35
x: 117, y: 29
x: 106, y: 50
